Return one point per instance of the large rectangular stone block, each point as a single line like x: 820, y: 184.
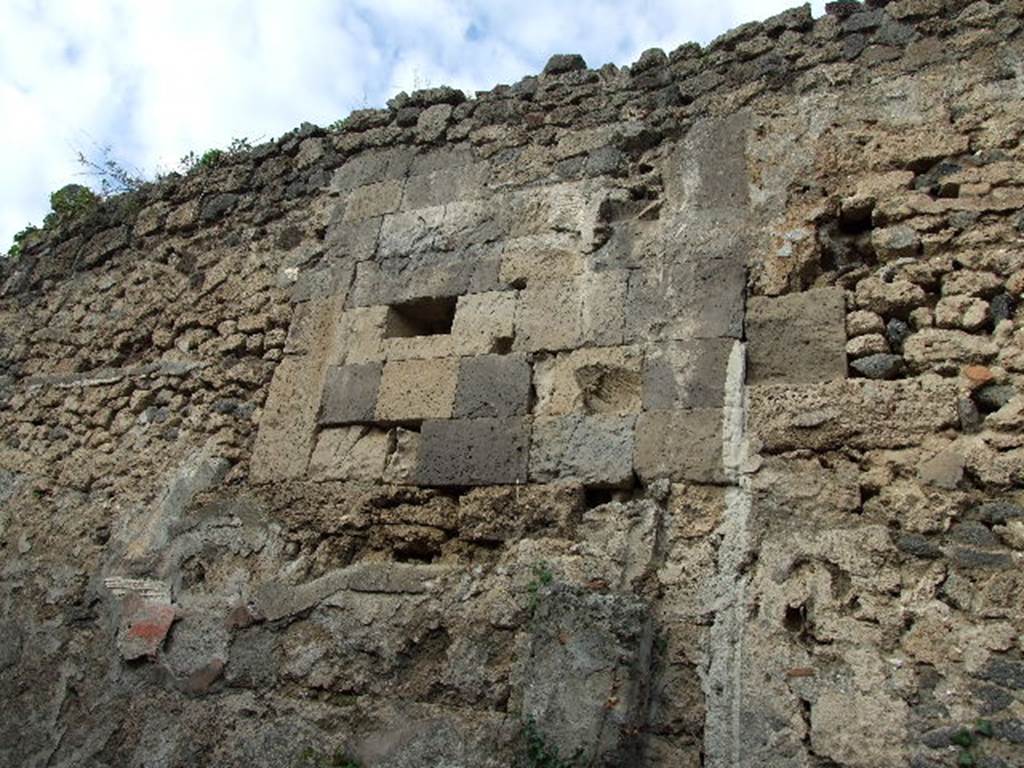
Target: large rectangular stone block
x: 589, y: 380
x: 484, y: 322
x: 372, y: 200
x: 493, y: 386
x: 686, y: 374
x: 692, y: 297
x: 473, y: 452
x: 445, y: 186
x: 680, y: 445
x: 603, y: 307
x: 433, y: 274
x: 548, y: 317
x: 594, y: 450
x: 851, y: 413
x: 286, y: 428
x: 797, y: 339
x: 412, y: 390
x: 350, y: 453
x: 350, y: 394
x: 358, y: 336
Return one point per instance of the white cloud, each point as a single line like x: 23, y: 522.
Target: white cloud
x: 157, y: 78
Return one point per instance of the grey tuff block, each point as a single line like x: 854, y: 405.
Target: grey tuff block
x: 493, y: 386
x: 595, y: 450
x: 797, y: 339
x: 473, y: 452
x: 350, y: 394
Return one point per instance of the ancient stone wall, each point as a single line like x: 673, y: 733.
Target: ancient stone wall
x: 654, y: 416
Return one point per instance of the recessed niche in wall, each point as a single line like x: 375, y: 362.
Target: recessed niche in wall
x: 420, y: 317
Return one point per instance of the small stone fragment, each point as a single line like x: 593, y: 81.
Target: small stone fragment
x: 880, y: 366
x: 861, y: 323
x: 871, y: 344
x: 1001, y: 308
x: 897, y: 331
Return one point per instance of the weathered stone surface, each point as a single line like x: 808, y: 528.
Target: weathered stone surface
x: 504, y: 513
x: 350, y: 453
x: 589, y: 380
x: 796, y: 339
x: 411, y: 390
x: 493, y: 386
x: 484, y: 323
x: 350, y: 394
x: 595, y: 450
x: 686, y: 374
x: 681, y: 445
x: 285, y: 438
x: 473, y: 452
x: 857, y: 413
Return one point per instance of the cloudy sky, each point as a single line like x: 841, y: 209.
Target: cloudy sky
x: 154, y: 79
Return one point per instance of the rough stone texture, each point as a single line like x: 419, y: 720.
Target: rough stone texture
x: 473, y: 452
x: 350, y: 394
x: 680, y: 445
x: 411, y: 390
x: 596, y: 450
x: 493, y: 386
x: 789, y: 568
x: 797, y: 339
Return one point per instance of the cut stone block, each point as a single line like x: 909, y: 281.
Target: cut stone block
x: 539, y: 259
x: 473, y: 452
x: 350, y: 453
x: 373, y: 200
x: 686, y: 374
x: 593, y: 450
x: 797, y: 339
x: 493, y: 386
x: 419, y: 347
x: 484, y: 323
x: 359, y: 337
x: 603, y: 307
x: 589, y: 380
x: 681, y: 445
x: 350, y: 394
x: 412, y: 390
x: 548, y: 317
x: 432, y: 273
x: 853, y: 413
x: 692, y: 298
x: 404, y: 457
x: 285, y: 435
x: 445, y: 186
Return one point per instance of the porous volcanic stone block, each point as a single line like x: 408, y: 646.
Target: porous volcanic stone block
x: 425, y: 275
x: 473, y: 452
x: 359, y: 337
x: 286, y: 429
x: 589, y: 380
x: 493, y: 386
x: 484, y: 322
x: 680, y: 445
x: 797, y: 339
x: 350, y: 394
x: 603, y: 307
x: 687, y: 374
x: 595, y: 450
x: 692, y: 298
x: 374, y: 200
x: 411, y: 390
x: 548, y: 317
x: 350, y: 453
